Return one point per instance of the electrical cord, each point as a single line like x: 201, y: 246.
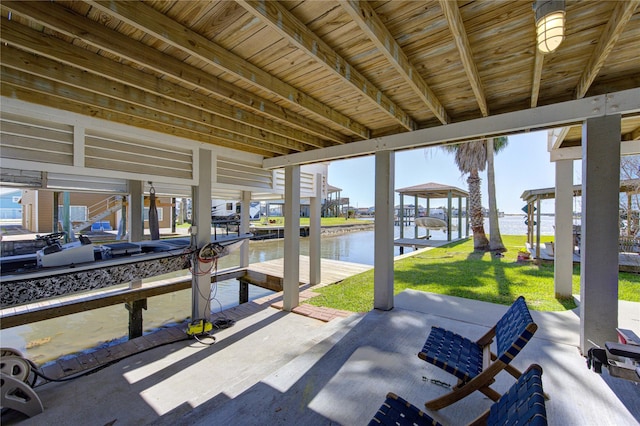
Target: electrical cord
x: 38, y: 373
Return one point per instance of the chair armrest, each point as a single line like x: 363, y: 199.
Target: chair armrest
x: 487, y: 338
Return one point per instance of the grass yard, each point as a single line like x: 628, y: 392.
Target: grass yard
x: 455, y: 270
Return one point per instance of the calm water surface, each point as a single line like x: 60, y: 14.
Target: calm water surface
x: 51, y: 339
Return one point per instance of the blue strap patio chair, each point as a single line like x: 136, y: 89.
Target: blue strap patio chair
x: 522, y: 404
x: 473, y: 363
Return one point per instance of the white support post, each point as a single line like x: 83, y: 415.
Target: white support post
x: 459, y: 217
x: 201, y: 281
x: 245, y: 206
x: 291, y: 284
x: 449, y: 216
x: 401, y: 216
x: 599, y: 248
x: 315, y: 246
x: 415, y: 216
x: 134, y: 212
x: 383, y: 245
x: 563, y: 240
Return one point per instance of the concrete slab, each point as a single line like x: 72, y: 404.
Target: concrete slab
x: 278, y: 368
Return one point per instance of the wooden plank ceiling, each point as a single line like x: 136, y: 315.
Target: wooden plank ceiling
x: 275, y: 78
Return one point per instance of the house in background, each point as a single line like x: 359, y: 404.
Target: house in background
x: 88, y: 211
x: 10, y: 207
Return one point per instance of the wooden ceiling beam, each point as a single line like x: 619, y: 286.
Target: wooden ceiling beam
x: 612, y: 31
x: 59, y: 19
x: 456, y: 26
x: 30, y: 88
x: 369, y: 22
x: 77, y: 59
x: 48, y: 69
x: 537, y: 78
x: 278, y: 18
x: 50, y: 93
x: 160, y: 26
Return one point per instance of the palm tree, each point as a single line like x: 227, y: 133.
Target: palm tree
x: 494, y: 146
x: 471, y: 158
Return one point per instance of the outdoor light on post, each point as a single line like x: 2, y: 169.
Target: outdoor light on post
x: 549, y: 24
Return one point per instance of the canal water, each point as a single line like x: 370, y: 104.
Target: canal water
x: 48, y: 340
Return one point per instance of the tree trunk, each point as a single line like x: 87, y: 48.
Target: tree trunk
x: 495, y: 239
x: 476, y: 218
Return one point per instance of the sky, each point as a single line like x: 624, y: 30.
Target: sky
x: 524, y: 164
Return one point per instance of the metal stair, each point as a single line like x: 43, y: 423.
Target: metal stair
x: 100, y: 210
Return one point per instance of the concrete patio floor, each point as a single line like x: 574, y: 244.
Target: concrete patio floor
x: 277, y: 368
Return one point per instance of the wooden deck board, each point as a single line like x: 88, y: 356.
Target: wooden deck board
x: 423, y: 242
x: 332, y: 271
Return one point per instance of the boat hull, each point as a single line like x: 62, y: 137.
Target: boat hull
x: 153, y: 258
x: 19, y: 291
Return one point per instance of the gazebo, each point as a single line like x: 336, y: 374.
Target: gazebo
x: 429, y: 191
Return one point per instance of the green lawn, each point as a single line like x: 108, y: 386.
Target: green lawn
x: 456, y: 270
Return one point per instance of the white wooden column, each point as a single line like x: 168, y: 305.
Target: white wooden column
x: 201, y: 209
x: 245, y: 208
x: 383, y: 245
x: 599, y: 248
x: 291, y: 284
x: 315, y: 231
x: 135, y: 220
x: 563, y: 240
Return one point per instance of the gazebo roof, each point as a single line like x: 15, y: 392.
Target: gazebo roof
x: 530, y: 195
x: 433, y: 190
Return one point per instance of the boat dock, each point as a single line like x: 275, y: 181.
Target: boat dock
x: 627, y: 261
x: 267, y: 275
x: 418, y: 243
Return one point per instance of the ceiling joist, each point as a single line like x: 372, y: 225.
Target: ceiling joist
x: 621, y: 16
x: 456, y: 25
x: 28, y: 88
x: 150, y: 21
x: 281, y: 20
x: 363, y: 14
x: 58, y: 19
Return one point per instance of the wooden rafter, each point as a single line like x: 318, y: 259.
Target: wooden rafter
x: 369, y: 22
x: 150, y: 21
x: 31, y: 88
x: 634, y: 135
x: 281, y: 20
x: 52, y: 94
x: 537, y: 78
x: 57, y: 18
x: 456, y: 26
x: 621, y: 15
x: 116, y: 73
x: 205, y: 121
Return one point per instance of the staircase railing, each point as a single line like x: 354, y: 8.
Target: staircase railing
x: 100, y: 210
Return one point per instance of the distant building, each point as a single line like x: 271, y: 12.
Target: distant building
x: 38, y: 211
x: 10, y: 207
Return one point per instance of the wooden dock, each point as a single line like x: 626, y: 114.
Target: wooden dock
x: 419, y: 243
x: 627, y: 262
x: 332, y: 271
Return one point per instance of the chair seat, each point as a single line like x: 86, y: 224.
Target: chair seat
x: 522, y: 405
x: 399, y: 412
x: 453, y: 353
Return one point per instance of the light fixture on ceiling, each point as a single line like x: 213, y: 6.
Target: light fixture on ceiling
x: 549, y: 24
